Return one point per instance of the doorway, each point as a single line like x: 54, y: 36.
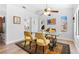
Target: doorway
x: 2, y: 32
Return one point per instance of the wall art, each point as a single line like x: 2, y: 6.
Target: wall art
x: 16, y: 20
x: 51, y: 21
x: 63, y: 23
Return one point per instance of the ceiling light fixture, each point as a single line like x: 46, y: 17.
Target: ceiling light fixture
x: 48, y: 11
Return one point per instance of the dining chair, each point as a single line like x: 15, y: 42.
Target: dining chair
x: 41, y: 41
x: 52, y: 38
x: 52, y: 30
x: 28, y: 38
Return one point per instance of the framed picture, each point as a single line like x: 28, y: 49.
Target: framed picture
x: 64, y: 24
x: 16, y: 20
x: 51, y: 21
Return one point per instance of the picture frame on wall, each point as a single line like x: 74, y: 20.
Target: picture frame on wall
x: 63, y: 23
x: 51, y: 21
x: 16, y: 20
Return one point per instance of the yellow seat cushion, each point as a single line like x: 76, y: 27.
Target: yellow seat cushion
x: 52, y: 30
x: 28, y: 38
x: 42, y: 42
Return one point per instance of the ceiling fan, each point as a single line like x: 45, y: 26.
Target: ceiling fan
x: 47, y: 11
x: 50, y: 10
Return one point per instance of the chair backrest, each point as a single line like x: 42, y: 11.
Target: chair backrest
x: 52, y: 30
x: 39, y: 35
x: 27, y: 33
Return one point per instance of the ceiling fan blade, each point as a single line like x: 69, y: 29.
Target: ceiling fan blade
x: 54, y: 11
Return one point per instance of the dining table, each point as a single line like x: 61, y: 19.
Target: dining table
x: 56, y: 34
x: 49, y: 35
x: 52, y: 36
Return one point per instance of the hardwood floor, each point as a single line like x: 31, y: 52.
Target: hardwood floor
x: 72, y: 46
x: 14, y: 49
x: 11, y: 49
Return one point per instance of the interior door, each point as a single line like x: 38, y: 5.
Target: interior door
x: 1, y: 24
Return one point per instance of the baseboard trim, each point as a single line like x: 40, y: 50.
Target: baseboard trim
x: 10, y: 42
x: 67, y: 39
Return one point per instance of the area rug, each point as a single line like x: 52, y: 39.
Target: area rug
x: 60, y: 48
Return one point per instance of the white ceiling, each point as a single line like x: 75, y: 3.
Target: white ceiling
x: 50, y: 5
x: 37, y: 7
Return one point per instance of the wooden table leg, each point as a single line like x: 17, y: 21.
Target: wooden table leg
x: 56, y: 40
x: 30, y: 44
x: 43, y: 49
x: 24, y: 43
x: 36, y: 49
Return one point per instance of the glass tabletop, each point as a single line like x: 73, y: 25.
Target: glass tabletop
x: 54, y: 33
x: 57, y: 33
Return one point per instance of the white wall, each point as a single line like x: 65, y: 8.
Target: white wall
x: 64, y: 9
x: 69, y: 35
x: 2, y: 9
x: 15, y: 32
